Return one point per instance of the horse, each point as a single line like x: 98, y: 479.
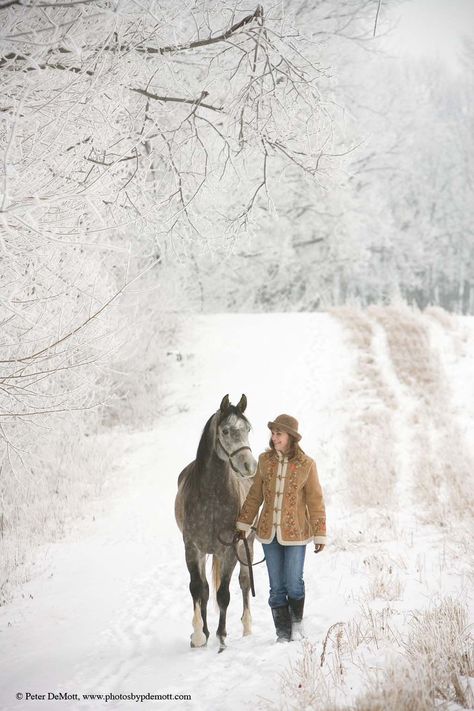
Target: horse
x: 211, y: 491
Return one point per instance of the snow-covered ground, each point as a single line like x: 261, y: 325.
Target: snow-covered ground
x: 107, y: 609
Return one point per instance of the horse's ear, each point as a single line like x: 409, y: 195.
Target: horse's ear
x: 242, y: 404
x: 225, y: 403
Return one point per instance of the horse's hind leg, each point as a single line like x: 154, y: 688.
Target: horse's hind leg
x: 199, y: 589
x: 244, y: 581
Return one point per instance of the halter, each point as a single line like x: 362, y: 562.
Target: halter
x: 232, y: 454
x: 235, y: 540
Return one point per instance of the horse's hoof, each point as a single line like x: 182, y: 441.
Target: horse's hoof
x: 198, y: 642
x: 221, y: 648
x: 198, y: 646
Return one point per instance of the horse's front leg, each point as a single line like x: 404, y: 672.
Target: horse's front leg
x: 223, y: 597
x: 244, y: 581
x: 199, y: 589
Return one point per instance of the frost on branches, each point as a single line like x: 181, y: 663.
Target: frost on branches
x: 133, y: 137
x: 130, y: 134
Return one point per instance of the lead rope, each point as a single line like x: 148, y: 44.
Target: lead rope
x: 236, y: 537
x: 249, y: 564
x: 234, y: 542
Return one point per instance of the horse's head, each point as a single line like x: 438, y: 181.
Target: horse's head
x: 232, y: 437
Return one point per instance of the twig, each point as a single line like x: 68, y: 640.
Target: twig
x: 377, y: 16
x: 323, y: 654
x: 179, y: 100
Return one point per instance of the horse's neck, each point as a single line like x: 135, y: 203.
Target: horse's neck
x: 215, y: 473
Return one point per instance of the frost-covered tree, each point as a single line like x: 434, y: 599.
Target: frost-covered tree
x: 133, y: 135
x: 312, y: 236
x: 137, y: 139
x: 413, y: 187
x: 396, y: 217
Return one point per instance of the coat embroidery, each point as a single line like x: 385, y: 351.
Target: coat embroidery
x: 303, y: 514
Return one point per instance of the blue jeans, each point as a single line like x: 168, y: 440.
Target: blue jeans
x: 285, y: 571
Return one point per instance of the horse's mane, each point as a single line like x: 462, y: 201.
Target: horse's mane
x: 193, y: 478
x: 205, y: 443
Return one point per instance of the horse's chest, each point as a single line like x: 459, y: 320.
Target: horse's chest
x: 207, y: 522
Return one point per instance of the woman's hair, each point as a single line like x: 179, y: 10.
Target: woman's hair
x: 293, y: 449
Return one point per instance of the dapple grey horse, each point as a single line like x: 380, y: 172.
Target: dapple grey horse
x: 211, y: 491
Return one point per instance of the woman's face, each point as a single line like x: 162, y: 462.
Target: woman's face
x: 280, y: 440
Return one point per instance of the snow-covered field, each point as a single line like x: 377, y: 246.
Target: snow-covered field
x: 385, y: 403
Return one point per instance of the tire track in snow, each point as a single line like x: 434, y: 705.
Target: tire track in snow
x: 403, y: 444
x: 439, y: 461
x: 368, y: 455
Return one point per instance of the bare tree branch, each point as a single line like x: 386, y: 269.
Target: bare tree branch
x: 172, y: 49
x: 178, y: 100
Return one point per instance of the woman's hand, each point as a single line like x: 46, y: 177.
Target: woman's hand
x: 318, y: 547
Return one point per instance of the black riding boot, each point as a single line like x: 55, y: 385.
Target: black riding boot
x: 296, y: 615
x: 282, y: 620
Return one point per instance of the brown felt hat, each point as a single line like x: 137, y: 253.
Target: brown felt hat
x: 286, y: 423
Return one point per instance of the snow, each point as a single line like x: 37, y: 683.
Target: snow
x: 108, y: 610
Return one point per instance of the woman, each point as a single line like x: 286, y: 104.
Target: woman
x: 293, y: 515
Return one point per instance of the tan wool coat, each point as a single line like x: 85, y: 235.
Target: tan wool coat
x: 293, y: 504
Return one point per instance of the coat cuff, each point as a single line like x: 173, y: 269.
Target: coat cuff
x: 243, y: 526
x: 320, y: 539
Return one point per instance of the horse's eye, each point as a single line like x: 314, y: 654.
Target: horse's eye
x: 225, y: 431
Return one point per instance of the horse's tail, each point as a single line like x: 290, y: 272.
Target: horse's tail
x: 216, y: 573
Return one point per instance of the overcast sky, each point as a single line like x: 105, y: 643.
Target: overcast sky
x: 431, y: 28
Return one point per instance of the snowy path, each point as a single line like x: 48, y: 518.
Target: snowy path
x: 111, y: 612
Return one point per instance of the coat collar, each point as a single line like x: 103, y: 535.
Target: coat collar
x: 276, y: 456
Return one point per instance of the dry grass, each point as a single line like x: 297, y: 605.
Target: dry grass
x: 376, y: 628
x: 443, y: 468
x: 441, y: 465
x: 361, y: 333
x: 424, y: 664
x: 434, y: 668
x: 304, y: 686
x: 416, y: 364
x: 396, y: 689
x: 427, y: 468
x: 458, y: 471
x: 444, y: 318
x: 368, y: 458
x: 441, y: 646
x: 384, y: 582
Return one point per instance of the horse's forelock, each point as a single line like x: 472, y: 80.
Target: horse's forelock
x: 232, y: 410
